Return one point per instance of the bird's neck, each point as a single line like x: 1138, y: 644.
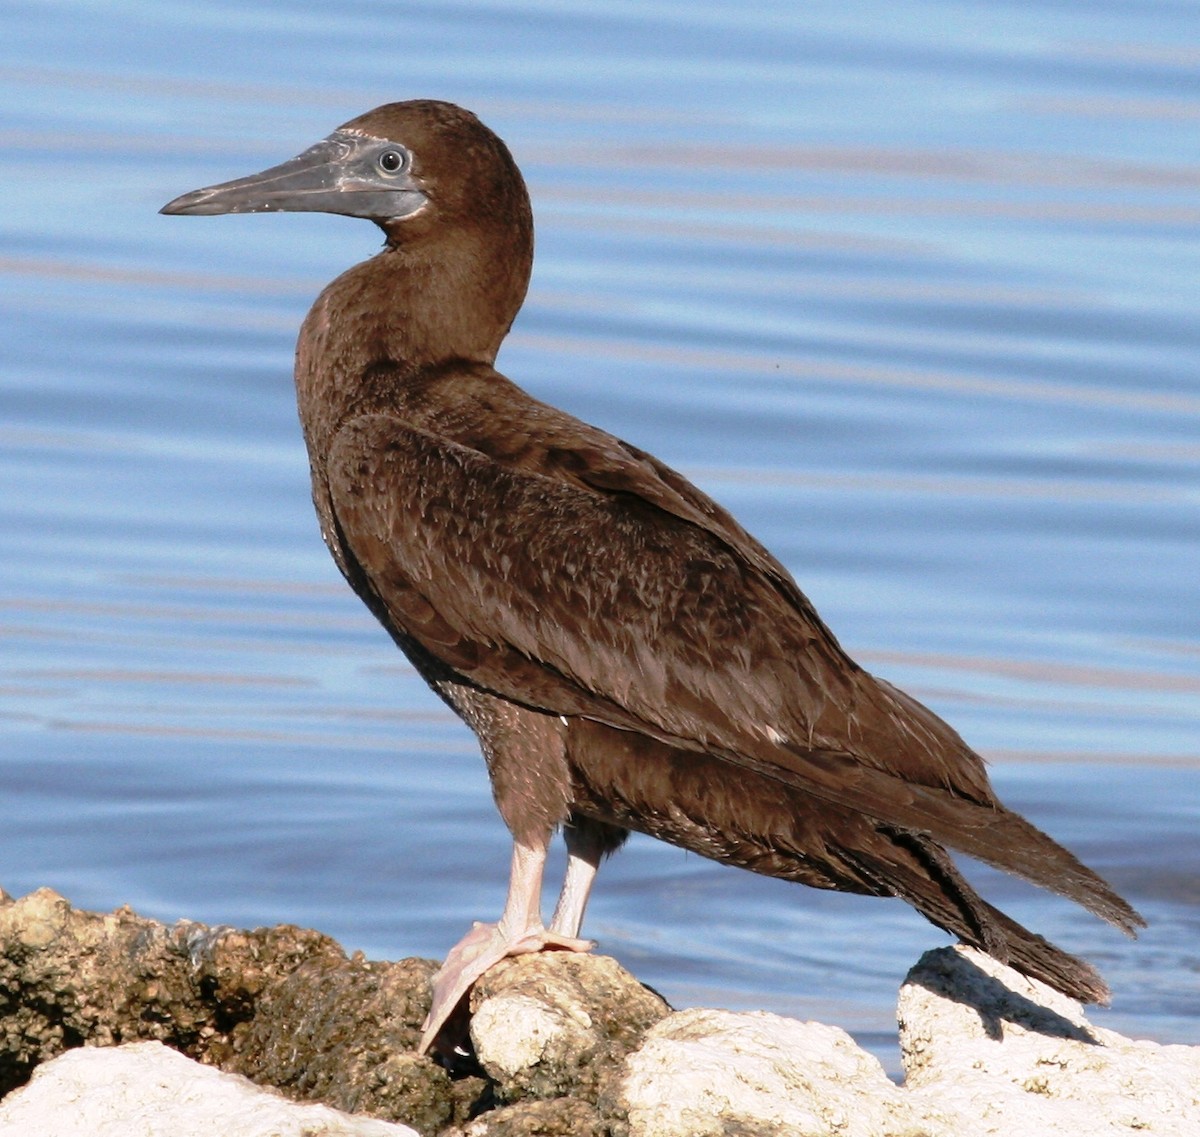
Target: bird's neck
x: 395, y: 318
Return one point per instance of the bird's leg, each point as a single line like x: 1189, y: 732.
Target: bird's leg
x: 520, y: 930
x: 577, y: 886
x: 588, y: 842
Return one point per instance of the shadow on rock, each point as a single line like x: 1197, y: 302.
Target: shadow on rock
x: 960, y: 978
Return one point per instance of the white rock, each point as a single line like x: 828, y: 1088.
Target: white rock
x: 513, y: 1033
x: 987, y: 1053
x: 145, y: 1089
x: 705, y: 1072
x: 1017, y: 1057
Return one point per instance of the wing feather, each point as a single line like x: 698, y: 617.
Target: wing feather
x: 645, y: 603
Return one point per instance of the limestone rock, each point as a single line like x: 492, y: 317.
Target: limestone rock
x: 1016, y: 1056
x: 559, y: 1024
x: 282, y: 1005
x: 68, y: 977
x: 344, y: 1033
x: 144, y: 1089
x: 706, y: 1073
x: 572, y: 1045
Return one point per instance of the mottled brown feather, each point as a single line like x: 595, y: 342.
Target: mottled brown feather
x: 534, y: 567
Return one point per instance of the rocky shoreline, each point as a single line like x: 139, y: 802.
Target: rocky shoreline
x: 116, y: 1024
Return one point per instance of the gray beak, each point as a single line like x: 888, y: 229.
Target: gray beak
x: 348, y: 173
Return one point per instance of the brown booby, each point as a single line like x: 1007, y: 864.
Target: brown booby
x: 628, y: 655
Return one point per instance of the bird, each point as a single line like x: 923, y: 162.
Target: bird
x: 628, y: 655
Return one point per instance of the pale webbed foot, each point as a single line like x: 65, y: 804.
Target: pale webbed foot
x: 481, y: 948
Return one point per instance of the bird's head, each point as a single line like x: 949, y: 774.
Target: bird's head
x: 413, y: 168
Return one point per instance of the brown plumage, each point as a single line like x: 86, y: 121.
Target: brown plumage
x: 628, y: 655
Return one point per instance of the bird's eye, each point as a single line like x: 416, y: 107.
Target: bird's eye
x: 392, y: 161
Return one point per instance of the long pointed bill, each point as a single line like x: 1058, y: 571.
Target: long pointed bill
x: 348, y: 173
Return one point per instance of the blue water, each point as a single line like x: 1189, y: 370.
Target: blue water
x: 911, y: 287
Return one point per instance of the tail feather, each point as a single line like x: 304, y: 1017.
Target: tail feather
x: 1007, y: 841
x: 985, y: 831
x: 915, y: 869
